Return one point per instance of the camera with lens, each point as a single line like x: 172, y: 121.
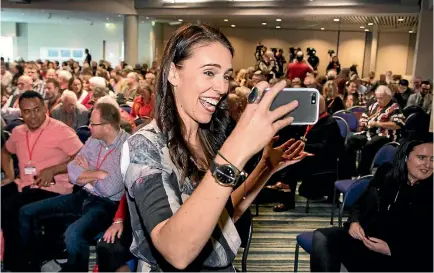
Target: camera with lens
x: 311, y: 51
x: 313, y: 98
x: 258, y: 52
x: 331, y: 52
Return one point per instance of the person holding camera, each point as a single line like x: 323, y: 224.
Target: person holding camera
x: 334, y: 64
x: 181, y: 169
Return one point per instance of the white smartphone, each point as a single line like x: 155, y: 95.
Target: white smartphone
x: 308, y: 104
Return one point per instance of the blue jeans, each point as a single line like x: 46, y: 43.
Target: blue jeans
x: 93, y: 215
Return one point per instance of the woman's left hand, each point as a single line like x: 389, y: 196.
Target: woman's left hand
x: 115, y: 230
x: 377, y: 245
x: 284, y: 155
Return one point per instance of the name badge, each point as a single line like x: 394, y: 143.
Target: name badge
x: 30, y: 170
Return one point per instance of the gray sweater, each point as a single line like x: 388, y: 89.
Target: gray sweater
x: 80, y: 116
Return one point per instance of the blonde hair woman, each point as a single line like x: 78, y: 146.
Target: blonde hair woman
x: 241, y: 77
x: 333, y: 101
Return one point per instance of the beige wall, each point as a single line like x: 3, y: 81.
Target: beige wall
x: 392, y: 53
x: 352, y: 49
x: 393, y: 48
x: 245, y: 41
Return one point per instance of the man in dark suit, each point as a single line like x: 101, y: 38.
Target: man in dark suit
x: 324, y: 144
x: 88, y: 59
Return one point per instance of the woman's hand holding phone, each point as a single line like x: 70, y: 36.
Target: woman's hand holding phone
x: 258, y: 125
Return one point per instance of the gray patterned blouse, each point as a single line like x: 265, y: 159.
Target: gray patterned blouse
x: 155, y: 193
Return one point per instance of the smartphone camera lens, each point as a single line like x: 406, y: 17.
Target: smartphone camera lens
x: 313, y: 98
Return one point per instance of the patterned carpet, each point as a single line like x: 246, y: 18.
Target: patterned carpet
x: 273, y: 242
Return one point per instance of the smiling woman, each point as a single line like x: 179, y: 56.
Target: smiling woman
x: 381, y: 233
x: 180, y: 169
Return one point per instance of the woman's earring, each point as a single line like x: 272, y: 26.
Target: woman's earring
x: 406, y: 158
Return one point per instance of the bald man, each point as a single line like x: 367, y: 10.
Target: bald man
x: 299, y: 68
x: 324, y: 141
x: 10, y: 109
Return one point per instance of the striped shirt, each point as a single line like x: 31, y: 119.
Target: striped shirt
x: 39, y: 86
x: 112, y: 186
x: 389, y: 113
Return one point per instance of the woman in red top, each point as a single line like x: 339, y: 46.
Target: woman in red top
x: 143, y: 105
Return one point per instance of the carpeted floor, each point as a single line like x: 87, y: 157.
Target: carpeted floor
x: 274, y: 233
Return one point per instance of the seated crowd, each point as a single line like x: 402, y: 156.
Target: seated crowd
x: 71, y: 171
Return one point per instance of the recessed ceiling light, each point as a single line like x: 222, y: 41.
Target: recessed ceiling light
x: 322, y: 28
x: 336, y: 19
x: 43, y: 10
x: 143, y: 22
x: 107, y: 18
x: 277, y: 26
x: 278, y: 20
x: 370, y: 24
x: 410, y: 31
x: 180, y: 20
x: 362, y: 26
x: 400, y: 20
x: 264, y: 24
x: 232, y: 25
x: 311, y: 0
x: 119, y: 15
x: 226, y: 20
x: 366, y: 29
x: 147, y: 18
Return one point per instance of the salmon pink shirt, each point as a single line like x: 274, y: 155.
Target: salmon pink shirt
x: 51, y: 144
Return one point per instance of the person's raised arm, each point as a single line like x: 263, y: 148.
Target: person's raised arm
x: 275, y: 159
x: 180, y: 238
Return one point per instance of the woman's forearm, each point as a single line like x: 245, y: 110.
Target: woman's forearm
x: 252, y: 194
x: 182, y: 237
x: 238, y: 194
x: 389, y: 125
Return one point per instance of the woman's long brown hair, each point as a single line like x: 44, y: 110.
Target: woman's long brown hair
x: 211, y: 135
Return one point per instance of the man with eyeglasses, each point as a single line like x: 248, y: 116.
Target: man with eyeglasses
x: 422, y: 99
x: 10, y: 109
x: 96, y: 170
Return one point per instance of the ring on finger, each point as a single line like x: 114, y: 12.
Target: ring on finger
x: 253, y: 96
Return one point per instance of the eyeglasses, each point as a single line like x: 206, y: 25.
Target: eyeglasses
x: 96, y: 124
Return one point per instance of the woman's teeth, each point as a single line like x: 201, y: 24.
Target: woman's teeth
x: 213, y: 102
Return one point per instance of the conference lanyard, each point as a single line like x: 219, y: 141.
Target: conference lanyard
x: 309, y: 127
x: 99, y: 164
x: 54, y: 105
x: 34, y: 144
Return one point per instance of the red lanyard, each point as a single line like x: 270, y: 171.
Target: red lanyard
x: 309, y: 127
x: 34, y: 144
x: 98, y: 164
x: 16, y: 103
x: 330, y: 104
x: 54, y: 105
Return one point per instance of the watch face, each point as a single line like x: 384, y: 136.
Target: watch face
x: 225, y: 174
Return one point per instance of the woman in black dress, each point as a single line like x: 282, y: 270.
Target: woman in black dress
x: 390, y: 227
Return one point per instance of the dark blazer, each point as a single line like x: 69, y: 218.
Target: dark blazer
x: 325, y: 141
x: 335, y: 105
x: 402, y: 216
